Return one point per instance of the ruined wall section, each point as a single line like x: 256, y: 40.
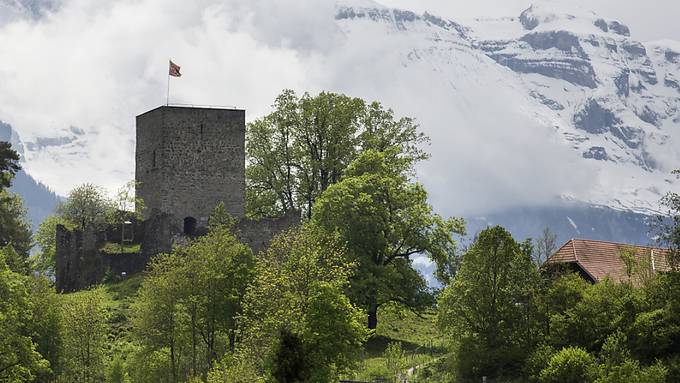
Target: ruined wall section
x: 190, y: 159
x: 81, y: 262
x: 258, y: 234
x: 78, y: 264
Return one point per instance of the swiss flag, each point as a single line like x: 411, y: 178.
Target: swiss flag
x: 174, y: 70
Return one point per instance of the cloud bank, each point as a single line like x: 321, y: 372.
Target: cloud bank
x: 90, y: 67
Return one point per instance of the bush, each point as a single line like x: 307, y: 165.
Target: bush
x: 537, y: 361
x: 570, y: 365
x: 631, y: 372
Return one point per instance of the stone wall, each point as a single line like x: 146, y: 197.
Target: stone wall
x: 190, y: 159
x: 78, y: 264
x: 258, y: 234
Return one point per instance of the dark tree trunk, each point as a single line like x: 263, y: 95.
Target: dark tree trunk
x: 373, y: 317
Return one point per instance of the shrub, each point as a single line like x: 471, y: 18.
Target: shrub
x: 537, y: 361
x: 570, y: 365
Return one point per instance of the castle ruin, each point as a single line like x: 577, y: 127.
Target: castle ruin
x: 187, y: 161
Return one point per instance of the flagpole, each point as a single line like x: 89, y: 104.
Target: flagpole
x: 167, y: 98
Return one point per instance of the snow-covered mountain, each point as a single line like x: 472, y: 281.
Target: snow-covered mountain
x: 612, y: 100
x: 554, y: 116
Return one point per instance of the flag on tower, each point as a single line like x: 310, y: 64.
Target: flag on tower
x: 174, y: 70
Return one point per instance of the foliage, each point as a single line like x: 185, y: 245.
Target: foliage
x: 19, y: 359
x: 489, y: 307
x: 46, y: 324
x: 83, y: 334
x: 186, y: 309
x: 299, y: 150
x: 537, y: 361
x: 385, y: 219
x: 570, y: 365
x: 117, y: 248
x: 221, y: 219
x: 618, y: 366
x: 297, y: 298
x: 638, y: 266
x: 233, y: 370
x: 605, y: 308
x: 117, y: 372
x: 9, y: 164
x: 45, y: 237
x: 395, y: 359
x: 15, y: 230
x: 87, y: 207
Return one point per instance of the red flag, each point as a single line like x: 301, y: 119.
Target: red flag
x: 174, y: 70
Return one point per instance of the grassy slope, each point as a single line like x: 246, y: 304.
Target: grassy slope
x: 418, y: 336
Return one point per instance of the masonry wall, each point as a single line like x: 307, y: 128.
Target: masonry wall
x: 258, y: 234
x: 80, y: 262
x: 77, y: 262
x: 190, y: 159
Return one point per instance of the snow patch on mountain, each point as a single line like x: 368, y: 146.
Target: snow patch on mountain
x: 552, y: 104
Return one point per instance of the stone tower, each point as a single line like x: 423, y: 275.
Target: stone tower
x: 188, y: 160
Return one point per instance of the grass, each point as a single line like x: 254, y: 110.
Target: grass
x: 419, y: 340
x: 116, y: 248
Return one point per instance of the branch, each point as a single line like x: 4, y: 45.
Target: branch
x: 402, y: 255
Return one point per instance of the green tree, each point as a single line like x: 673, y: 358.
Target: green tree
x: 304, y: 146
x: 189, y: 302
x: 490, y: 308
x: 15, y: 231
x: 45, y: 237
x: 83, y: 334
x: 297, y: 299
x: 19, y: 359
x: 46, y: 324
x: 9, y: 164
x: 385, y: 220
x: 14, y: 228
x: 158, y: 317
x: 570, y: 365
x: 87, y: 207
x: 604, y: 308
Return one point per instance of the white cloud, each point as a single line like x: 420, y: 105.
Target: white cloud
x: 95, y: 65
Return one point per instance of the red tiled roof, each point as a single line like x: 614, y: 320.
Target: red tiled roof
x: 600, y: 259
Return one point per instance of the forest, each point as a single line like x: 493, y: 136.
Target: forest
x: 337, y: 298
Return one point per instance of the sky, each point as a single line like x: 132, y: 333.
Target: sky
x: 82, y: 70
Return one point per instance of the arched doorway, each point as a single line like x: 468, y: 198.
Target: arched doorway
x: 189, y: 225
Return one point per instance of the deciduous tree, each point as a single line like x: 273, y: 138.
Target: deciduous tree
x: 83, y: 335
x: 385, y: 220
x: 489, y: 306
x: 304, y: 146
x: 297, y: 299
x: 19, y: 360
x: 87, y: 207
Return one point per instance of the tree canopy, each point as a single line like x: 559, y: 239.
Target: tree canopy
x: 303, y: 146
x: 9, y: 164
x: 15, y: 231
x: 385, y: 220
